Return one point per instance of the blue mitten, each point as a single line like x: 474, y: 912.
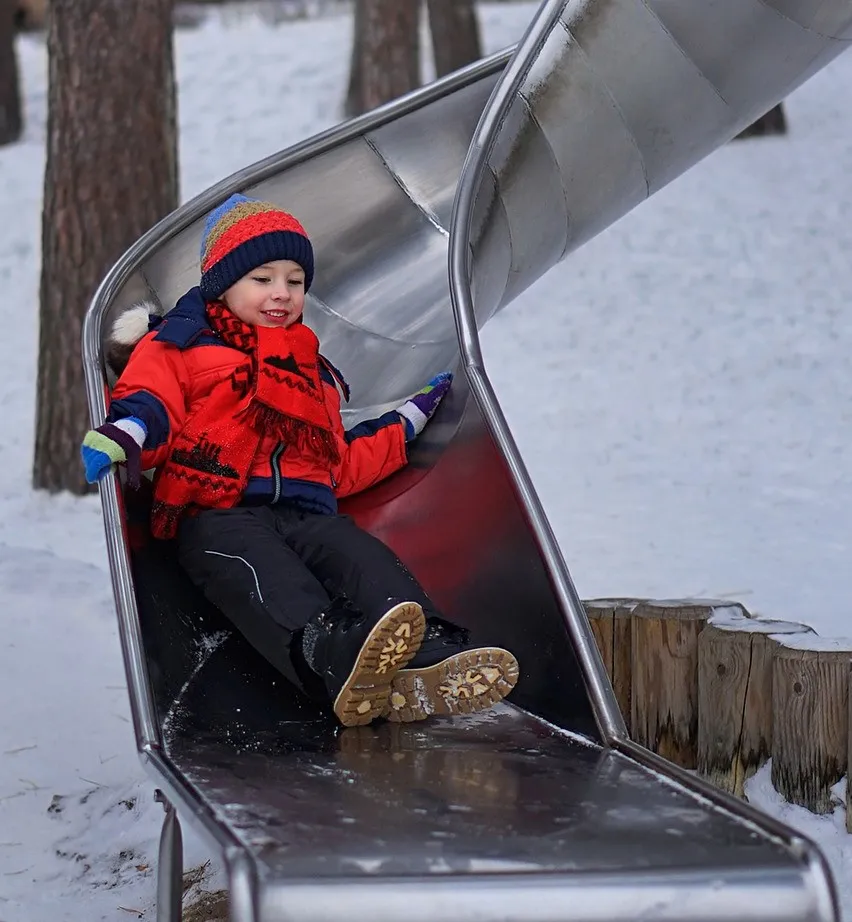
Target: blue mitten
x: 114, y: 443
x: 420, y: 407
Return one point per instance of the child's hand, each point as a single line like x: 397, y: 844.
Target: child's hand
x: 419, y: 409
x: 114, y: 443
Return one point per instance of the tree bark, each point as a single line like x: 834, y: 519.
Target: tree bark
x: 355, y: 91
x: 773, y: 122
x: 385, y: 53
x: 111, y: 174
x: 30, y: 15
x: 11, y: 121
x: 455, y: 34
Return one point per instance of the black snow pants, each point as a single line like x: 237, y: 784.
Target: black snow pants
x: 269, y: 570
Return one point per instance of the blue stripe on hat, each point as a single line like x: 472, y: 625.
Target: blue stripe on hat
x: 219, y: 212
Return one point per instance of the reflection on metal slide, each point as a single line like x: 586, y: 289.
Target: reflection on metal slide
x: 428, y: 216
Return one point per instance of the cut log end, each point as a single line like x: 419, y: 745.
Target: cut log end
x: 735, y: 699
x: 664, y: 652
x: 810, y: 719
x: 610, y: 621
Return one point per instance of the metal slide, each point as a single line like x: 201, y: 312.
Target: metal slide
x: 542, y: 810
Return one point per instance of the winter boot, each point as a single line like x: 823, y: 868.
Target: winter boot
x: 448, y: 676
x: 357, y: 657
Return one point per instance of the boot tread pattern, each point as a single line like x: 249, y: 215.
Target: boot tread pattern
x: 391, y: 644
x: 394, y: 649
x: 461, y: 684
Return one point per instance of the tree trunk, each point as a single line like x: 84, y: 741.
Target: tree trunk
x: 455, y: 34
x: 355, y: 91
x: 11, y: 122
x: 385, y: 53
x: 773, y: 122
x: 111, y: 174
x: 30, y: 15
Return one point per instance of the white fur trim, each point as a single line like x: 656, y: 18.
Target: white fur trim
x: 132, y: 325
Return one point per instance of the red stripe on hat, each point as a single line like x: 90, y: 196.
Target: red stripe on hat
x: 249, y: 227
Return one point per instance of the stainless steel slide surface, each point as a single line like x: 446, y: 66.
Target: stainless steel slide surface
x: 428, y: 216
x: 501, y: 818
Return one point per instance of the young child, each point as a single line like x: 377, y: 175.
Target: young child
x: 230, y: 400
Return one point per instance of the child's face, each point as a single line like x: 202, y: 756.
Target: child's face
x: 273, y: 295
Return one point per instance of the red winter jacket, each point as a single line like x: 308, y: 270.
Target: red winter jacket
x: 175, y: 367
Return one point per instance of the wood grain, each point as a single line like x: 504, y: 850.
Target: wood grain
x: 810, y: 722
x: 664, y: 700
x: 735, y: 699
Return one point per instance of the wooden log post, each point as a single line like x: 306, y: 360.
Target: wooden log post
x: 610, y: 622
x: 664, y: 697
x: 735, y: 696
x: 849, y: 761
x: 810, y: 718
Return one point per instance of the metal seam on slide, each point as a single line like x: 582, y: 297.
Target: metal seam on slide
x: 684, y: 52
x: 430, y: 216
x: 615, y: 105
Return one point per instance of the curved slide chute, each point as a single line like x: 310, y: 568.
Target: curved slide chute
x: 428, y: 216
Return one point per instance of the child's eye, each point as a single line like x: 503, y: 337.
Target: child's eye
x: 298, y: 282
x: 263, y: 279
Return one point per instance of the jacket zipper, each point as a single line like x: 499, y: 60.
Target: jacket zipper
x: 276, y: 472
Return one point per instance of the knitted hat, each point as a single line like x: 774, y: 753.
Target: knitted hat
x: 242, y: 234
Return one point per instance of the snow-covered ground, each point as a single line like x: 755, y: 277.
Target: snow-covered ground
x: 696, y: 365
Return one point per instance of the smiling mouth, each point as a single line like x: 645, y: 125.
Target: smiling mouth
x: 276, y: 315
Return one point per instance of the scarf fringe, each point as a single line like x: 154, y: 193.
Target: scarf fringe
x: 165, y: 518
x: 303, y: 436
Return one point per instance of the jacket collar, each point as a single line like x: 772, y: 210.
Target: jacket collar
x: 186, y: 323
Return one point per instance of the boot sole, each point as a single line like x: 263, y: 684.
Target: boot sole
x: 461, y: 684
x: 391, y: 644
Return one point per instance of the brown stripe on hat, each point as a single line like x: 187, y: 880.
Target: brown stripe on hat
x: 231, y: 217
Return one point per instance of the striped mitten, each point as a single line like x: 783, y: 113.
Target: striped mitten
x: 420, y: 407
x: 114, y: 443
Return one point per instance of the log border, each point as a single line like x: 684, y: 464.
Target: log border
x: 703, y: 683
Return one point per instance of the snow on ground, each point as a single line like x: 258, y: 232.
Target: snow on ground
x: 696, y: 361
x: 829, y: 831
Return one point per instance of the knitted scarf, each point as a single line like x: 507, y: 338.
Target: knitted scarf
x: 276, y: 391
